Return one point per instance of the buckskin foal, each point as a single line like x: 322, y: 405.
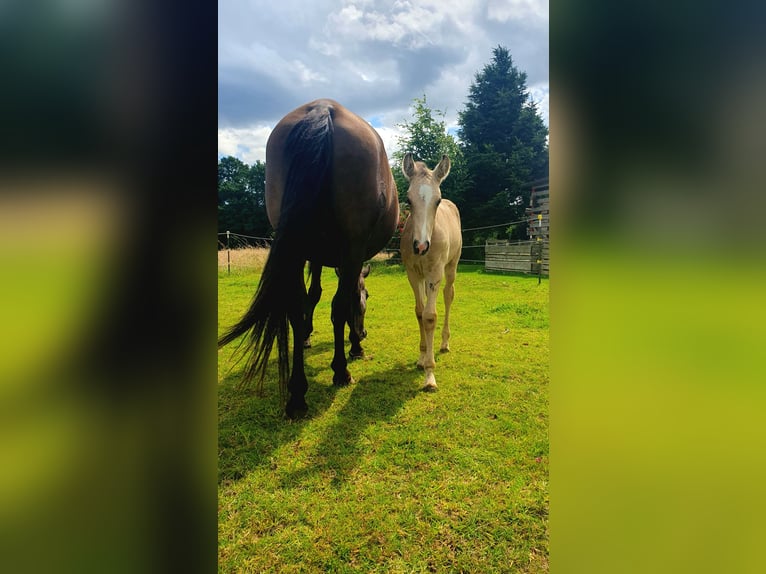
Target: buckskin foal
x: 430, y: 246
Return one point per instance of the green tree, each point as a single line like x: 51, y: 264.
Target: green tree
x: 427, y: 139
x: 504, y: 142
x: 241, y: 198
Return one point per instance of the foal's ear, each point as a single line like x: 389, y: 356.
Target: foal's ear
x: 366, y: 270
x: 442, y: 170
x: 408, y: 166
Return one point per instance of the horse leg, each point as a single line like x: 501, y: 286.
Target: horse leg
x: 418, y: 290
x: 297, y: 385
x: 429, y: 326
x: 314, y: 294
x: 341, y: 314
x: 449, y: 294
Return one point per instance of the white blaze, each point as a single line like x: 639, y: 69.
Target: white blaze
x: 426, y: 192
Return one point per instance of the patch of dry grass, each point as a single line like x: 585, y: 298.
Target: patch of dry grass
x: 248, y: 259
x: 244, y: 259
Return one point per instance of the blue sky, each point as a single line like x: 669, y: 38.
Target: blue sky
x: 373, y: 56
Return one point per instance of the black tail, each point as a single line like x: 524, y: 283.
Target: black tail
x: 307, y: 155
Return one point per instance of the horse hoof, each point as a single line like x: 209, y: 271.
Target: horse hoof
x: 343, y: 381
x: 296, y: 409
x: 444, y: 350
x: 354, y: 356
x: 430, y: 388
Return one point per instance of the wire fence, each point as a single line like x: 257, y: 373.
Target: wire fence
x: 238, y: 241
x: 474, y: 254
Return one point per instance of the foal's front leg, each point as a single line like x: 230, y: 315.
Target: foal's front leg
x: 429, y: 326
x: 418, y: 289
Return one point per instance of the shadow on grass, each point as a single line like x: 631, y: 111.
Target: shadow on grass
x: 376, y: 398
x: 252, y: 427
x: 321, y: 347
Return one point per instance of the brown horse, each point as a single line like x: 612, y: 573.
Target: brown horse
x: 430, y: 245
x: 332, y: 200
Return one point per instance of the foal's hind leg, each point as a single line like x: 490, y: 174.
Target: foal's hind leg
x: 449, y: 294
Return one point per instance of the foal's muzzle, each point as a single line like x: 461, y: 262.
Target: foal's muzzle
x: 421, y: 248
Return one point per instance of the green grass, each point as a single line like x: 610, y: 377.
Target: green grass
x: 381, y: 477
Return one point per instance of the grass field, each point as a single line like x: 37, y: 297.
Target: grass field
x: 381, y: 477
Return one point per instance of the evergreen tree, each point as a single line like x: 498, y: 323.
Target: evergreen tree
x: 504, y: 142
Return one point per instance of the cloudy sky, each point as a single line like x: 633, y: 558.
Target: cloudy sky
x: 373, y: 56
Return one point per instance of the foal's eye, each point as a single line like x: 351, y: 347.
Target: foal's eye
x: 366, y: 294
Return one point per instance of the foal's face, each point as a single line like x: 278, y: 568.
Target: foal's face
x: 424, y: 197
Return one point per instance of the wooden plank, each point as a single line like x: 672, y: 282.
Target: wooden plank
x: 511, y: 258
x: 505, y: 252
x: 515, y: 259
x: 509, y: 267
x: 502, y: 255
x: 526, y: 271
x: 525, y: 250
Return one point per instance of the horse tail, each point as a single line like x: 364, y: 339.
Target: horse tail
x: 308, y: 157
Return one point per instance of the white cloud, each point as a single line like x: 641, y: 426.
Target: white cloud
x: 247, y: 144
x: 374, y: 56
x: 519, y: 10
x: 390, y: 136
x: 258, y: 58
x: 402, y: 23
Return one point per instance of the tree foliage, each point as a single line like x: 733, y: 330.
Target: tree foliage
x: 241, y: 198
x: 427, y: 139
x: 504, y: 143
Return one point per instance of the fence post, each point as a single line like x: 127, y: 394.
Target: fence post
x: 536, y: 255
x: 228, y: 255
x: 540, y: 258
